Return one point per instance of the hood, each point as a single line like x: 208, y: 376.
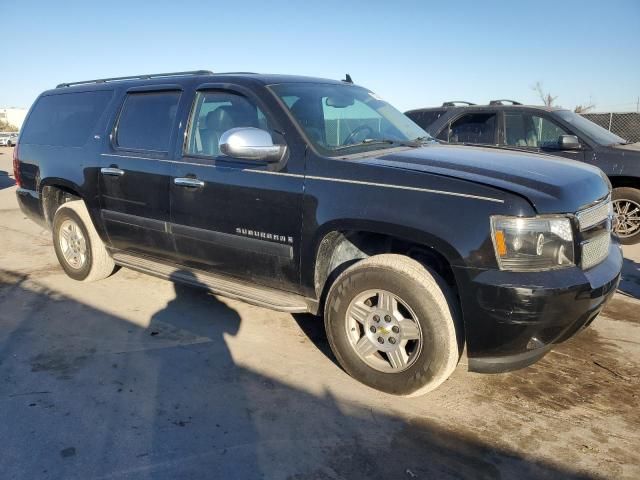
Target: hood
x: 551, y: 184
x: 632, y: 148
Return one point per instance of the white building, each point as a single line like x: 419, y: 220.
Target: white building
x: 14, y: 116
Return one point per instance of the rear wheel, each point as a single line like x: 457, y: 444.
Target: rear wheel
x: 626, y: 208
x: 78, y: 247
x: 391, y: 324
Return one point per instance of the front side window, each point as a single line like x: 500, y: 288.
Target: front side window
x: 146, y: 121
x: 523, y: 129
x: 345, y: 119
x: 547, y: 133
x: 215, y: 113
x: 477, y: 128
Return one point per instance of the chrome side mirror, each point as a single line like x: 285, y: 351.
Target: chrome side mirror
x: 249, y: 143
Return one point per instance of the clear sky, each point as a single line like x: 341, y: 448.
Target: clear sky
x: 411, y: 53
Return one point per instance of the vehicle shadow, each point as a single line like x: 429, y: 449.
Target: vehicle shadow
x: 630, y: 281
x: 89, y: 394
x: 5, y: 180
x: 313, y: 328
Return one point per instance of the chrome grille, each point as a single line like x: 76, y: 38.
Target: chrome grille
x: 594, y: 215
x: 595, y: 250
x: 595, y: 247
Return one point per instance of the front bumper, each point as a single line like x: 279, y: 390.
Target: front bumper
x: 512, y: 319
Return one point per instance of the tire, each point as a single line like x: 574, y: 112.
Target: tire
x: 421, y: 296
x: 628, y: 220
x: 72, y: 219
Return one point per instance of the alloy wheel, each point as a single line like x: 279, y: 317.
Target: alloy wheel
x: 384, y: 331
x: 72, y: 244
x: 627, y: 214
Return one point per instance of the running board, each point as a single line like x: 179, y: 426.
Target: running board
x: 219, y: 284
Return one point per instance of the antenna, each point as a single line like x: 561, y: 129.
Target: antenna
x: 347, y: 79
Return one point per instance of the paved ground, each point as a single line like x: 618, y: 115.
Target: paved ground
x: 134, y: 377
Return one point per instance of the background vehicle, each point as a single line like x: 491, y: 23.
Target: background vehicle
x: 8, y: 139
x: 312, y: 195
x: 555, y: 131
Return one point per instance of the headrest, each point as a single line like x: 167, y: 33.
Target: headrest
x: 220, y: 119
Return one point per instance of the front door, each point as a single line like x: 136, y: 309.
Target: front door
x: 236, y: 217
x: 536, y: 132
x: 135, y: 174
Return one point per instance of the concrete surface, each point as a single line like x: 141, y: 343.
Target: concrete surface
x: 134, y: 377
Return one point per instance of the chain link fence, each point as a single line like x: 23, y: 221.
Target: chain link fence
x: 625, y: 125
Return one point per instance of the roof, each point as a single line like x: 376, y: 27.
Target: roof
x: 487, y: 107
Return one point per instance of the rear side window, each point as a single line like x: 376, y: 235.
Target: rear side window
x: 65, y: 120
x: 146, y: 121
x: 474, y: 128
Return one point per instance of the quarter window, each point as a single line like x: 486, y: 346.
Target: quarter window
x: 217, y: 112
x: 147, y: 120
x: 65, y: 120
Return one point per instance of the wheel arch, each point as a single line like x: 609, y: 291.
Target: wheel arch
x: 343, y: 243
x: 618, y: 181
x: 53, y: 193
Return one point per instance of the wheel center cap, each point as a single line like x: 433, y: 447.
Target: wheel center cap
x: 383, y: 330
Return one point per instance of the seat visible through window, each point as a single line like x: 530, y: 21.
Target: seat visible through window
x: 216, y: 113
x: 217, y: 122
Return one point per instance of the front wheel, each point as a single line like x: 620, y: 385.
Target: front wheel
x: 626, y: 208
x: 391, y: 324
x: 78, y: 247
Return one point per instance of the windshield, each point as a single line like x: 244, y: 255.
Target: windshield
x: 598, y: 134
x: 345, y: 119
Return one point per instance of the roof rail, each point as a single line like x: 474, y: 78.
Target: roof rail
x: 137, y: 77
x: 453, y: 103
x: 502, y: 102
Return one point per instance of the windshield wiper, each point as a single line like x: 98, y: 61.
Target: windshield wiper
x: 381, y: 141
x: 423, y: 140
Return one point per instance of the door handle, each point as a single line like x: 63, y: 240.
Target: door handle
x: 111, y: 171
x: 188, y: 182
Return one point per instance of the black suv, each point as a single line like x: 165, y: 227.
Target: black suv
x: 556, y: 131
x: 312, y: 195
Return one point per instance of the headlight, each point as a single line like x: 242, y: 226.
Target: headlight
x: 531, y: 244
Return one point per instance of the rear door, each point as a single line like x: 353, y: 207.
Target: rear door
x: 239, y: 218
x: 136, y: 171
